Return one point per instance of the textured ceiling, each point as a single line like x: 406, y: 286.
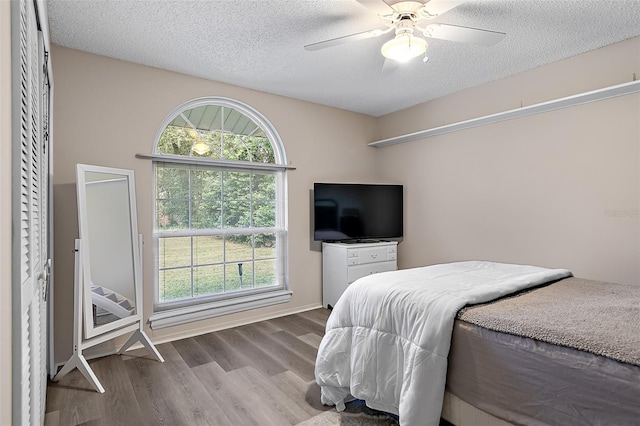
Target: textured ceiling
x: 259, y: 43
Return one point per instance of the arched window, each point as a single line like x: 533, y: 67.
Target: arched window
x: 220, y: 229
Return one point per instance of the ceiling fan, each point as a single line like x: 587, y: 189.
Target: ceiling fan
x: 408, y: 18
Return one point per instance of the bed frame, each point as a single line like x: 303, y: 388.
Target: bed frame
x: 459, y: 413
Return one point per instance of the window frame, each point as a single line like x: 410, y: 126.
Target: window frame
x: 186, y: 310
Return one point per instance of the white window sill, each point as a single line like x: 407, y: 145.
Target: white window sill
x: 214, y: 309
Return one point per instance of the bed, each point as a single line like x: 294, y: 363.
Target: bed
x: 490, y: 363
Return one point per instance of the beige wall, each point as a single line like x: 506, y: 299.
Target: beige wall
x: 533, y: 190
x: 106, y: 111
x: 5, y: 211
x: 536, y: 190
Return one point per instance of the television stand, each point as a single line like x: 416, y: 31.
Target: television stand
x: 345, y: 262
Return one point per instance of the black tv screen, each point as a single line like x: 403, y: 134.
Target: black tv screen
x: 345, y: 211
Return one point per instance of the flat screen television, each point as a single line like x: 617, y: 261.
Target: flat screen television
x: 357, y: 212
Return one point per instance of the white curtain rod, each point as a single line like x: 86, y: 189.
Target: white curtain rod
x: 167, y: 158
x: 569, y: 101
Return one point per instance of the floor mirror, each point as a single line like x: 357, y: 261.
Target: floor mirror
x: 108, y: 266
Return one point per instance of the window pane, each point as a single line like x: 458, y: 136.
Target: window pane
x: 265, y: 271
x: 236, y: 186
x: 205, y: 214
x: 195, y: 115
x: 174, y: 252
x: 208, y: 280
x: 205, y: 184
x: 172, y: 195
x: 208, y: 250
x: 264, y: 214
x: 265, y: 246
x: 174, y: 284
x: 172, y: 214
x: 238, y: 248
x: 176, y: 140
x: 235, y: 148
x: 236, y: 214
x: 207, y: 117
x: 261, y: 149
x: 211, y: 145
x: 239, y: 275
x: 263, y: 186
x: 172, y: 183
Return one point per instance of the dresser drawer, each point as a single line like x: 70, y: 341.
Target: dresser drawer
x: 359, y: 271
x: 372, y: 254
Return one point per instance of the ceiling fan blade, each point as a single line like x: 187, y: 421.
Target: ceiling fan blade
x: 437, y: 7
x: 376, y: 6
x: 463, y: 34
x: 345, y: 39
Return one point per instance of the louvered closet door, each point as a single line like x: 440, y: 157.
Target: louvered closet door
x: 31, y: 197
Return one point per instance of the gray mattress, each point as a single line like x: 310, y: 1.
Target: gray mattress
x: 529, y: 382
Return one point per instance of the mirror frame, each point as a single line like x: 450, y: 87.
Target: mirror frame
x: 90, y: 330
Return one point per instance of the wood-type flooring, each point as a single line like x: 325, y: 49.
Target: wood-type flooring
x: 257, y: 374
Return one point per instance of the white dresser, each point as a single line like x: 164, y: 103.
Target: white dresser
x: 343, y: 263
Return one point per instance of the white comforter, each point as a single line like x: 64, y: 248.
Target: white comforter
x: 388, y: 337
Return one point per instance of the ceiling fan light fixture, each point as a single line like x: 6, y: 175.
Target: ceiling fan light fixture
x: 404, y: 47
x: 192, y: 133
x: 200, y: 147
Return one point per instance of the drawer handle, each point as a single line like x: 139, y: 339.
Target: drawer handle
x: 374, y: 255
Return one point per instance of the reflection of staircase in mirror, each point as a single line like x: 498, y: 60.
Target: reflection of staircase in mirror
x: 109, y: 302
